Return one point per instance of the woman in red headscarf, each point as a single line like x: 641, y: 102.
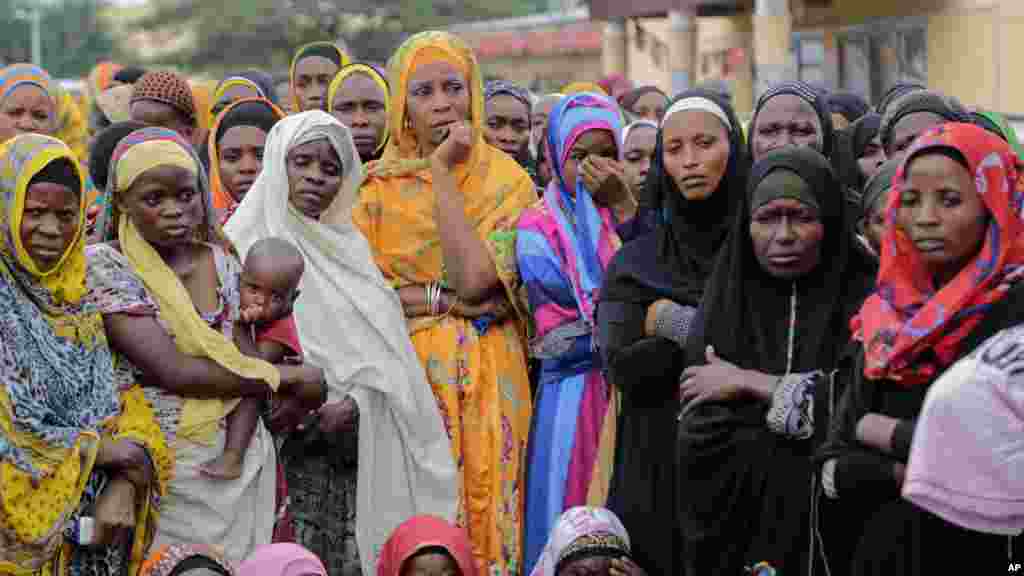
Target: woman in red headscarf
x: 426, y: 541
x: 951, y: 262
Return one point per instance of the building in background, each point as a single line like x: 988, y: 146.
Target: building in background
x: 542, y: 52
x: 962, y: 47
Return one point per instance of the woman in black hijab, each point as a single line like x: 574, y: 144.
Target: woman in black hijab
x: 792, y: 114
x: 756, y: 395
x: 846, y: 108
x: 911, y: 114
x: 651, y: 291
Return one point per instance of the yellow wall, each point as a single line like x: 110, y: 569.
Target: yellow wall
x: 716, y: 36
x: 974, y: 46
x: 647, y: 63
x: 961, y: 56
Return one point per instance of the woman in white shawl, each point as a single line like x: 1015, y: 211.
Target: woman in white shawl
x: 350, y: 324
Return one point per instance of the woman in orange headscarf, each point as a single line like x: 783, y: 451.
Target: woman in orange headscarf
x: 439, y: 209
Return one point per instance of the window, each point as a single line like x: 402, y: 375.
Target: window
x: 871, y: 59
x: 809, y: 55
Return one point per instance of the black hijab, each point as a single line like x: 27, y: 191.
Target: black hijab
x: 674, y: 261
x: 818, y: 99
x: 897, y: 91
x: 920, y: 101
x: 850, y: 147
x: 746, y: 311
x: 848, y: 105
x: 735, y: 476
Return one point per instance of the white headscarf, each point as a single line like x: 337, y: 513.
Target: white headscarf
x: 602, y: 529
x: 351, y: 324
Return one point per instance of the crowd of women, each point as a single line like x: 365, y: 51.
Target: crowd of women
x: 407, y: 322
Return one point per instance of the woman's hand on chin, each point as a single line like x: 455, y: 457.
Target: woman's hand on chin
x: 455, y: 149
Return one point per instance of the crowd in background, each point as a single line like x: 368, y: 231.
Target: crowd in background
x: 403, y: 321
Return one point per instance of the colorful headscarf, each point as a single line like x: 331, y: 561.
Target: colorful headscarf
x: 202, y: 99
x: 611, y: 82
x: 175, y: 559
x: 401, y: 154
x: 16, y: 75
x: 583, y: 532
x: 283, y: 559
x: 135, y: 154
x: 374, y: 74
x: 1009, y: 134
x: 101, y: 77
x: 580, y: 87
x: 257, y: 112
x: 55, y: 366
x: 256, y: 80
x: 908, y: 321
x: 328, y: 50
x: 498, y: 87
x: 585, y: 229
x: 422, y: 532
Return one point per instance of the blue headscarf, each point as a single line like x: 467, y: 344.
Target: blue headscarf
x: 585, y: 227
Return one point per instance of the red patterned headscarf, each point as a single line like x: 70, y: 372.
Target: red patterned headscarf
x: 907, y: 316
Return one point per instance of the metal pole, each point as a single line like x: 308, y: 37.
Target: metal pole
x: 37, y: 41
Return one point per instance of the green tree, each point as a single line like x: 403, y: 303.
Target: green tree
x: 72, y: 37
x: 232, y: 34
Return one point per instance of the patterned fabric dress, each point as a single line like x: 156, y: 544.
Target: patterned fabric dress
x: 236, y: 514
x: 58, y: 399
x: 477, y: 369
x: 563, y: 245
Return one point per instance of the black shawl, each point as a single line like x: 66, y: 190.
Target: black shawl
x: 818, y: 99
x: 744, y: 492
x: 675, y: 260
x: 920, y: 101
x: 849, y: 105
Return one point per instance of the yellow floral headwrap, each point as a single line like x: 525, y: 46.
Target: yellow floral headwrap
x: 401, y: 154
x: 65, y: 281
x: 373, y: 74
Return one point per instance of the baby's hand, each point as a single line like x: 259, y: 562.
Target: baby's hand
x: 253, y: 314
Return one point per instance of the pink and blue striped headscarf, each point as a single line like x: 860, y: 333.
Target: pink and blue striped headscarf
x: 585, y: 229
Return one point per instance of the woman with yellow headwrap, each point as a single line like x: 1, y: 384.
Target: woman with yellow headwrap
x: 32, y: 102
x: 166, y: 269
x: 439, y: 209
x: 247, y: 84
x: 76, y: 450
x: 100, y: 79
x: 311, y: 72
x: 358, y: 97
x: 235, y: 148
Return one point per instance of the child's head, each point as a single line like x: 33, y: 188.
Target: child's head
x: 874, y: 199
x: 270, y: 279
x: 431, y: 561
